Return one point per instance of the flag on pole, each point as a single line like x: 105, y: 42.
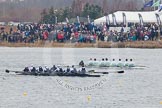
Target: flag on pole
x: 56, y: 20
x: 67, y: 20
x: 158, y: 19
x: 149, y: 4
x: 78, y: 19
x: 141, y: 20
x: 160, y: 7
x: 114, y: 19
x: 156, y: 4
x: 107, y: 20
x: 89, y: 19
x: 124, y: 19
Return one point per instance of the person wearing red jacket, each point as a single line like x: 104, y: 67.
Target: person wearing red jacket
x: 45, y: 35
x: 76, y: 35
x: 60, y: 37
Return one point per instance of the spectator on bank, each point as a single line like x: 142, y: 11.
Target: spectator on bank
x: 78, y: 33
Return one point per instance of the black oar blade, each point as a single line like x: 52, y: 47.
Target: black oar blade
x: 110, y: 72
x: 101, y: 72
x: 105, y: 73
x: 91, y: 71
x: 7, y: 71
x: 120, y: 71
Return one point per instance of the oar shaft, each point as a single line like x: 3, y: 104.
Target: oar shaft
x: 102, y: 72
x: 17, y: 71
x: 8, y: 71
x: 108, y: 72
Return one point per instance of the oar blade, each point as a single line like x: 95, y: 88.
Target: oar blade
x: 120, y: 72
x: 7, y: 71
x: 105, y: 73
x: 91, y: 71
x: 102, y: 72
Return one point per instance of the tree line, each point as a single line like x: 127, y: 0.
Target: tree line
x: 52, y: 16
x: 29, y: 10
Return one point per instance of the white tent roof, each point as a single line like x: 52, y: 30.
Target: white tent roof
x: 100, y: 20
x: 119, y: 16
x: 133, y: 17
x: 103, y: 19
x: 149, y: 16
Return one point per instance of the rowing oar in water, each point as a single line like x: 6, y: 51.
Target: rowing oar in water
x: 8, y: 71
x: 93, y: 71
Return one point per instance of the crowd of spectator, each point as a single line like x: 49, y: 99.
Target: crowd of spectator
x: 82, y: 33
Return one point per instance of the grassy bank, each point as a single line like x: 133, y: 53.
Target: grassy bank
x: 48, y: 44
x: 139, y: 44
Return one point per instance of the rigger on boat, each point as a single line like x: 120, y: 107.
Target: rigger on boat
x: 108, y: 63
x: 59, y: 71
x: 54, y: 71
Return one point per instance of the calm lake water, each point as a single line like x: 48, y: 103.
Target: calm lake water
x: 136, y: 88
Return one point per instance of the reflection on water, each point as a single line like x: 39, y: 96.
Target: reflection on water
x: 137, y: 88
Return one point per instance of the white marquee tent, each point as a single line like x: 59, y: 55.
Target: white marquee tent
x: 132, y: 17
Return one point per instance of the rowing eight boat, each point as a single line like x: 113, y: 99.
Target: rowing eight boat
x: 52, y: 74
x: 63, y: 74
